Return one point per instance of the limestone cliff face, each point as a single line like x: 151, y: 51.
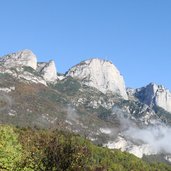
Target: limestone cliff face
x: 155, y: 95
x: 48, y: 71
x: 100, y: 74
x: 21, y: 58
x: 28, y: 58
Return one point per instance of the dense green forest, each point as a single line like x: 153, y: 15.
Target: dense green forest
x: 26, y: 149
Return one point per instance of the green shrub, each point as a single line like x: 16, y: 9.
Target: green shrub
x: 47, y: 150
x: 10, y: 149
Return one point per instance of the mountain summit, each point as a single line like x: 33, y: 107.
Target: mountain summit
x: 100, y: 74
x: 155, y: 95
x: 21, y: 58
x: 26, y: 58
x: 48, y: 70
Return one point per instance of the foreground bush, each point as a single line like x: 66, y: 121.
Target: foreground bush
x: 47, y: 150
x: 10, y: 149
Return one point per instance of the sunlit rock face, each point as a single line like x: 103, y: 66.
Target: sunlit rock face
x: 155, y: 95
x: 21, y: 58
x: 48, y: 71
x: 27, y: 58
x: 100, y: 74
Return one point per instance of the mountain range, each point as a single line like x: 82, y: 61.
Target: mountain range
x: 90, y: 99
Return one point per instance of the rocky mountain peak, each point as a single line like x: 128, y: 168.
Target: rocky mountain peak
x: 20, y: 58
x: 100, y: 74
x: 48, y: 70
x: 28, y: 58
x: 155, y: 95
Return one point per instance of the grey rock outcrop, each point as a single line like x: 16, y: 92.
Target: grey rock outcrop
x: 48, y: 71
x: 155, y: 95
x: 21, y: 58
x: 100, y: 74
x: 29, y: 59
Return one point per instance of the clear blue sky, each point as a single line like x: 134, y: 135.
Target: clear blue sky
x: 134, y: 34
